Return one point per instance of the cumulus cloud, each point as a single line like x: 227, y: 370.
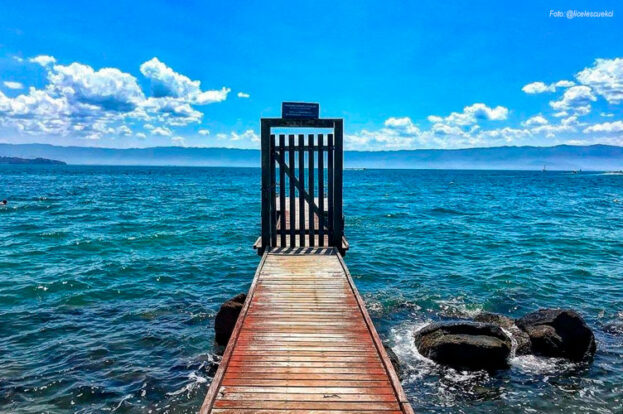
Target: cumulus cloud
x: 43, y: 60
x: 398, y: 132
x: 13, y: 85
x: 108, y: 88
x: 79, y: 100
x: 606, y: 127
x: 472, y: 114
x: 249, y: 134
x: 162, y: 131
x: 404, y: 125
x: 541, y: 87
x: 248, y: 138
x: 535, y: 120
x: 36, y: 111
x: 575, y: 100
x: 605, y: 77
x: 177, y: 140
x: 166, y: 83
x: 536, y: 87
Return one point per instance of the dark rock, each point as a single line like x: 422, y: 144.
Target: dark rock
x: 465, y: 345
x: 521, y: 338
x: 559, y: 333
x: 226, y: 318
x: 394, y: 360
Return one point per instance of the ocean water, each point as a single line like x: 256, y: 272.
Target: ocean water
x: 110, y: 278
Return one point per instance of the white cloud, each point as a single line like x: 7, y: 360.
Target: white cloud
x: 443, y: 129
x: 43, y: 60
x: 81, y: 101
x: 162, y: 131
x: 171, y: 111
x: 204, y: 132
x: 243, y: 95
x: 551, y: 131
x: 404, y: 125
x: 141, y: 135
x: 123, y: 130
x: 249, y: 134
x: 35, y: 112
x: 398, y: 132
x: 576, y: 100
x: 540, y: 87
x: 536, y: 87
x: 13, y: 85
x: 606, y: 127
x: 107, y: 88
x: 166, y: 83
x: 535, y: 120
x: 564, y: 84
x: 472, y: 114
x: 506, y: 135
x: 605, y: 77
x: 177, y: 140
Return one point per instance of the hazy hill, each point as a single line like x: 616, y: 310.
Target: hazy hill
x: 17, y: 160
x: 562, y: 157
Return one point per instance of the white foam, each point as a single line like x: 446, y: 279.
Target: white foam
x: 533, y: 364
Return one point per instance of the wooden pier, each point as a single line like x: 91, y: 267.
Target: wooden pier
x: 304, y: 342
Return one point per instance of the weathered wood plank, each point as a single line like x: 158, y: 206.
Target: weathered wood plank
x: 304, y: 343
x: 308, y: 405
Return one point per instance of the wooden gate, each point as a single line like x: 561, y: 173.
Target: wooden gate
x: 302, y: 185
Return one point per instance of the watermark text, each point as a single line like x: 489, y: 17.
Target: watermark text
x: 580, y: 14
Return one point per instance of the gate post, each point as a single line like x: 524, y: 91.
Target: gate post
x: 266, y: 186
x: 338, y: 223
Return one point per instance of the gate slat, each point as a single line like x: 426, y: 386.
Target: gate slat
x: 338, y: 225
x: 282, y: 191
x: 320, y: 189
x: 301, y: 149
x: 330, y: 185
x: 310, y: 162
x: 292, y: 164
x: 273, y: 192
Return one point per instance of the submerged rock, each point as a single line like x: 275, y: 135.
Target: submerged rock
x: 226, y: 319
x: 522, y: 339
x: 559, y: 333
x: 465, y: 345
x: 394, y: 360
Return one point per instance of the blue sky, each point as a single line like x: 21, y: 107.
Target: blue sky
x: 402, y: 74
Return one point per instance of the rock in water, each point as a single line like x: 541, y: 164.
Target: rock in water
x: 522, y: 339
x: 559, y: 333
x: 465, y: 345
x: 394, y: 360
x: 226, y: 318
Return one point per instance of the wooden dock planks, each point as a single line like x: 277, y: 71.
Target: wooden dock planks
x: 304, y: 343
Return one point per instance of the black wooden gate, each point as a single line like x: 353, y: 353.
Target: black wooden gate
x: 302, y: 184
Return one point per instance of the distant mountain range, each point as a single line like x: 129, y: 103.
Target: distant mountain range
x: 561, y: 157
x: 17, y: 160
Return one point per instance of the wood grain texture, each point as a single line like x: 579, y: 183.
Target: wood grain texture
x: 304, y: 343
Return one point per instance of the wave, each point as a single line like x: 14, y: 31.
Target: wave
x: 449, y: 211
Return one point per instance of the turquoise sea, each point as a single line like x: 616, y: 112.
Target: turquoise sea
x: 110, y: 278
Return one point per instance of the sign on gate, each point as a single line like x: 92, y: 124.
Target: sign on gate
x: 300, y: 110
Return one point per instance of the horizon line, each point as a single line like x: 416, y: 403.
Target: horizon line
x: 375, y: 151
